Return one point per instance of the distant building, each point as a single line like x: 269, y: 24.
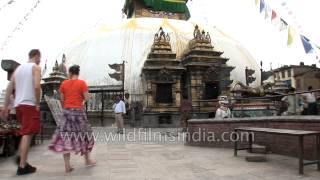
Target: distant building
x: 306, y: 79
x: 298, y: 76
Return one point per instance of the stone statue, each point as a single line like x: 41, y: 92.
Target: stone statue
x: 161, y: 36
x: 203, y: 35
x: 62, y: 67
x: 208, y: 37
x: 167, y: 37
x: 196, y: 32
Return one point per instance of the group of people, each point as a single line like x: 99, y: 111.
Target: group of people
x: 25, y: 87
x: 300, y: 104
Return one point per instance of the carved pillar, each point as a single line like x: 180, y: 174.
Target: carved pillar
x: 194, y: 89
x: 177, y: 91
x: 150, y: 93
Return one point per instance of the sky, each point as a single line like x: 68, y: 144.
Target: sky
x: 52, y: 26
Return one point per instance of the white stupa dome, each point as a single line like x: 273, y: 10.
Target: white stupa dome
x: 131, y: 40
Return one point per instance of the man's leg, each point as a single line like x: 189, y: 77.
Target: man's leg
x: 117, y: 121
x: 121, y: 122
x: 24, y: 149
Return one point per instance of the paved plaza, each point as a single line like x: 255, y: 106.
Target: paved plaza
x: 152, y: 161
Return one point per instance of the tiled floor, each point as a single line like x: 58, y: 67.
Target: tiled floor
x: 143, y: 161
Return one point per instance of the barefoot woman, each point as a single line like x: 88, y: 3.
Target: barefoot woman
x: 73, y: 133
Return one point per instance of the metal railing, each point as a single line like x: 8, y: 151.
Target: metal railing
x: 272, y: 98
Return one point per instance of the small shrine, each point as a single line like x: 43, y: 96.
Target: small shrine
x: 50, y: 88
x: 207, y: 75
x: 56, y: 77
x: 161, y: 75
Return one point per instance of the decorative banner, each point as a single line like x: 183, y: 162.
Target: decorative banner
x: 275, y: 19
x: 262, y: 5
x: 257, y: 2
x: 6, y: 4
x: 274, y: 15
x: 268, y: 11
x: 306, y: 44
x: 283, y: 24
x: 20, y: 24
x: 290, y: 36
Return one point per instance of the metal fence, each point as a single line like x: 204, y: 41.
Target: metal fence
x: 276, y: 100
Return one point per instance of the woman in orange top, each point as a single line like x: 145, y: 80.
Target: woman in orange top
x: 73, y: 133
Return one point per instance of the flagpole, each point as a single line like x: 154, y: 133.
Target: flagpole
x: 123, y: 77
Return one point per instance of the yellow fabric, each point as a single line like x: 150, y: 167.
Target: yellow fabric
x: 290, y: 36
x: 257, y: 2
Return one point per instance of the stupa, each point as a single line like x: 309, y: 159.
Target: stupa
x: 133, y: 40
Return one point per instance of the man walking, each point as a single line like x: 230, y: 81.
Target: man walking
x: 25, y: 82
x: 119, y: 110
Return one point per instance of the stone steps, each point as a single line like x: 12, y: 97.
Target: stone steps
x: 259, y: 149
x: 258, y: 154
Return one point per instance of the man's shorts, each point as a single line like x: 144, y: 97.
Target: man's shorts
x: 29, y: 119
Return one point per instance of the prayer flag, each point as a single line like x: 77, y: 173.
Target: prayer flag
x: 306, y: 44
x: 262, y: 5
x: 290, y: 36
x: 283, y: 24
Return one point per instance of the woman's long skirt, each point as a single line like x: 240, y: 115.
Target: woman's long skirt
x: 73, y: 134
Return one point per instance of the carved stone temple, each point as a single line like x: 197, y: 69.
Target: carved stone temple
x: 201, y: 74
x: 50, y: 87
x: 56, y: 77
x: 207, y: 76
x: 162, y: 78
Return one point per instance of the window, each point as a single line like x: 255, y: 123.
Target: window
x: 283, y: 74
x: 164, y: 93
x: 212, y: 91
x: 289, y: 72
x: 298, y: 85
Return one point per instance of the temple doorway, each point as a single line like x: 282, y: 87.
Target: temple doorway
x: 212, y: 91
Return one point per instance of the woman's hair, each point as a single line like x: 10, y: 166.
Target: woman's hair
x: 74, y: 70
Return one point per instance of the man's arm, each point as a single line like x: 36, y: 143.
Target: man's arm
x: 36, y: 72
x: 124, y: 107
x: 9, y: 92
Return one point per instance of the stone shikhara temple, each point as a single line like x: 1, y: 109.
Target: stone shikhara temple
x: 201, y: 74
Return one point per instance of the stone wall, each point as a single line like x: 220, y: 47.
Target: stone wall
x: 279, y: 144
